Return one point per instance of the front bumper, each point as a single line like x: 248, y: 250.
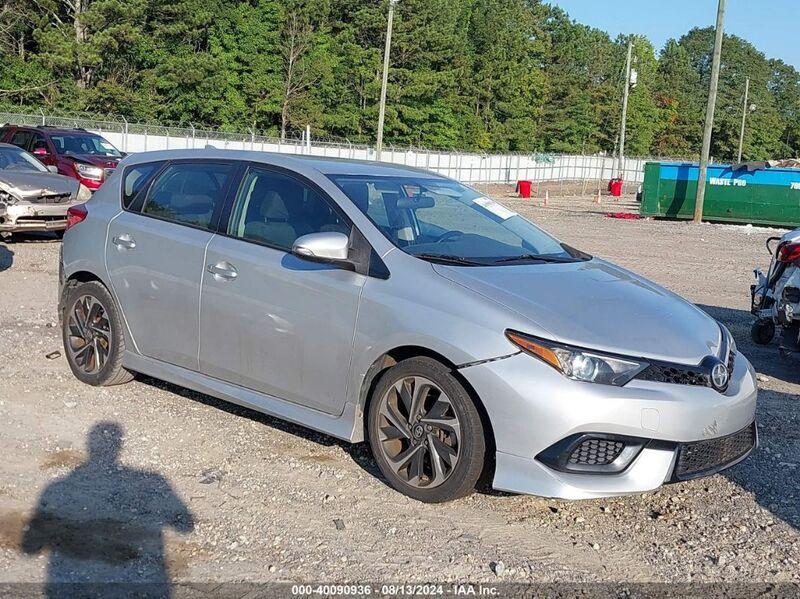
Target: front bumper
x: 31, y: 217
x: 532, y: 407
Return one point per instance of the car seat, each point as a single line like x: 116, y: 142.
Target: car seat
x: 271, y: 222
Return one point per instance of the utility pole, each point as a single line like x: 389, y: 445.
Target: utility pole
x: 625, y: 94
x: 744, y: 118
x: 386, y: 50
x: 712, y: 101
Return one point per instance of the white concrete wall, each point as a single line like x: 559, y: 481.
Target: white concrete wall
x: 468, y: 168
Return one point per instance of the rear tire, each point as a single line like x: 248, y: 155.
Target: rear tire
x: 425, y: 432
x: 94, y: 341
x: 762, y: 331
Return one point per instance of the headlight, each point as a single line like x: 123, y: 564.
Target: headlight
x: 89, y: 171
x: 84, y: 193
x: 577, y: 363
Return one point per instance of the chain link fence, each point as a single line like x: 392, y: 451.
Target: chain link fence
x: 556, y: 174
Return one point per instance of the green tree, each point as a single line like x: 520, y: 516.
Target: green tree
x: 584, y: 73
x: 678, y: 96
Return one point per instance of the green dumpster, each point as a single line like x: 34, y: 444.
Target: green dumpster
x: 769, y: 196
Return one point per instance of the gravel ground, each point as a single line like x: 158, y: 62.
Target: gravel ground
x: 244, y: 497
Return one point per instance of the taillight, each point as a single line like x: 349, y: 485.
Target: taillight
x: 76, y: 214
x: 789, y: 252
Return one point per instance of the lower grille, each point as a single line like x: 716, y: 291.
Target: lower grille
x: 596, y: 452
x: 704, y: 457
x: 57, y: 198
x: 42, y: 218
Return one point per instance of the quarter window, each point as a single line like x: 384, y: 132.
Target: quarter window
x: 275, y: 209
x: 135, y: 179
x: 188, y: 193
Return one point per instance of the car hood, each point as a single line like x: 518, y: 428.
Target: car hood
x: 598, y: 305
x: 95, y: 160
x: 32, y: 186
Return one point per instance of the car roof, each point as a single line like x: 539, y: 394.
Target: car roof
x: 322, y: 164
x: 57, y: 130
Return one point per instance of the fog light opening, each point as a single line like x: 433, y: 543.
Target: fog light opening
x: 592, y: 453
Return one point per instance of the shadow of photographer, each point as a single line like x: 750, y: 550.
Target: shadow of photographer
x: 104, y: 523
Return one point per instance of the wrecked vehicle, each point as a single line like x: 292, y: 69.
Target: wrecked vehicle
x: 32, y: 198
x: 776, y: 293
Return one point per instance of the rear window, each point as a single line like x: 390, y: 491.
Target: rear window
x: 188, y: 193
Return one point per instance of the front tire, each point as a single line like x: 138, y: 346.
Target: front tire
x: 425, y: 432
x: 93, y: 338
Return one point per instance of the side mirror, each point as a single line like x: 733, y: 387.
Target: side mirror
x: 52, y: 168
x: 40, y: 152
x: 322, y: 247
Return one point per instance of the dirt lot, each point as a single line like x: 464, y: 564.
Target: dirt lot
x: 243, y: 497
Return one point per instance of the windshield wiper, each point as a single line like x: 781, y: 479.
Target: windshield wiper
x: 449, y: 259
x: 536, y: 257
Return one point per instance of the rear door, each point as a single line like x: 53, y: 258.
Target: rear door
x: 155, y: 252
x: 270, y: 321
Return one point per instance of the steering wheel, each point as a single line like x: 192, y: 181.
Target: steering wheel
x: 449, y: 235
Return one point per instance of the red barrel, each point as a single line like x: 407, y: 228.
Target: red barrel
x: 524, y: 188
x: 615, y: 187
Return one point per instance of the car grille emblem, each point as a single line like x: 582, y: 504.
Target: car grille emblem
x: 719, y: 376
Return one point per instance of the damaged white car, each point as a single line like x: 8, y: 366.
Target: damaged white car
x: 32, y: 198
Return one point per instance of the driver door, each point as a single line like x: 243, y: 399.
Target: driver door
x: 270, y: 321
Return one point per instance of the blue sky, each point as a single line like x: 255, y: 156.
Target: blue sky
x: 773, y: 27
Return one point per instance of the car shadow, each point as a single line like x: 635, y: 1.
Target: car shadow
x: 359, y: 452
x: 6, y: 257
x: 105, y: 522
x: 770, y: 473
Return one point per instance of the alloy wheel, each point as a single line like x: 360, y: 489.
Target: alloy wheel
x: 89, y: 334
x: 419, y: 432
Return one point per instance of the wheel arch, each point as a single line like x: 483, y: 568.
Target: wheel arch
x: 73, y: 279
x: 86, y: 276
x: 400, y: 353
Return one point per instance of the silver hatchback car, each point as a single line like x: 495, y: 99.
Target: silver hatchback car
x: 377, y: 302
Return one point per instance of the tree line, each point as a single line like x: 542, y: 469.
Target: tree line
x: 478, y: 75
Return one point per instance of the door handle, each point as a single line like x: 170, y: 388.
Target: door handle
x: 223, y: 271
x: 124, y: 241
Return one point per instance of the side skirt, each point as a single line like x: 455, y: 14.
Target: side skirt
x: 342, y: 426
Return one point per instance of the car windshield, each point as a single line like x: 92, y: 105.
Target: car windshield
x: 76, y: 143
x: 443, y: 221
x: 14, y: 159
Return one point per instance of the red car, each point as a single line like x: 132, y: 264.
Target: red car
x: 76, y: 153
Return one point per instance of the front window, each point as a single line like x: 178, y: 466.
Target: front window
x: 77, y: 143
x: 13, y: 159
x: 275, y: 209
x: 443, y: 221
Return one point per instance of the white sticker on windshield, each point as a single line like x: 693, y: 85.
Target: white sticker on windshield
x: 495, y: 208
